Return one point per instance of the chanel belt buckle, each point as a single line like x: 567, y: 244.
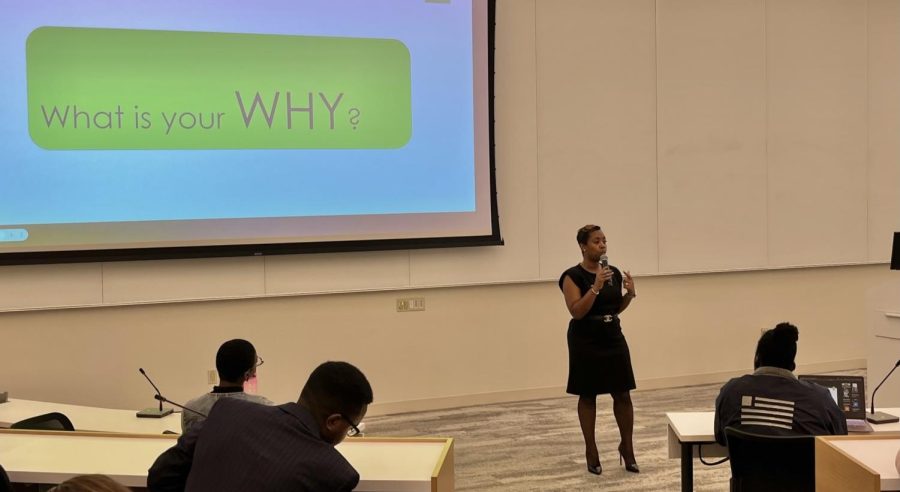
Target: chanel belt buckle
x: 607, y: 318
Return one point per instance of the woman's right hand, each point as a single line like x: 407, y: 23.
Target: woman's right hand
x: 602, y: 277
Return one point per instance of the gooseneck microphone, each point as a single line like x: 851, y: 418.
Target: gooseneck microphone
x: 604, y: 262
x: 153, y: 413
x: 881, y: 417
x: 162, y: 399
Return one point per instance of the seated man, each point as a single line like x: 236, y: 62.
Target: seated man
x: 244, y: 446
x: 236, y: 362
x: 772, y: 400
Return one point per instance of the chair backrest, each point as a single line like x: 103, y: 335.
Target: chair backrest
x: 5, y: 486
x: 48, y: 421
x: 771, y: 463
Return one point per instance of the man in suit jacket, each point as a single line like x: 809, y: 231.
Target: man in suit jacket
x: 244, y: 446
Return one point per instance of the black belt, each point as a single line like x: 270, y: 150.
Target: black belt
x: 605, y: 318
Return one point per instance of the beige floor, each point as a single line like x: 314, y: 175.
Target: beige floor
x: 537, y: 445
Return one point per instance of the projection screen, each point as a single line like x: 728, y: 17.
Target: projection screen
x: 138, y: 130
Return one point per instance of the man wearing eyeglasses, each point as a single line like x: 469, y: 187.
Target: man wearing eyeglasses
x: 247, y: 447
x: 236, y: 363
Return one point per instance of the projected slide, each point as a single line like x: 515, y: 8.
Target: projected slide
x: 143, y: 126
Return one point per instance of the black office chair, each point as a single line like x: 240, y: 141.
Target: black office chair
x: 48, y: 421
x: 5, y: 486
x: 770, y: 463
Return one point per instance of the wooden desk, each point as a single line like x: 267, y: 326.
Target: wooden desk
x: 863, y: 463
x: 395, y: 464
x: 401, y: 464
x: 690, y: 433
x: 89, y: 418
x: 51, y: 457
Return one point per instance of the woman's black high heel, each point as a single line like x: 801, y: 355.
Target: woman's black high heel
x: 632, y: 467
x: 595, y: 469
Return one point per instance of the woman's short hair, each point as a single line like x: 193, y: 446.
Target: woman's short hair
x: 585, y: 232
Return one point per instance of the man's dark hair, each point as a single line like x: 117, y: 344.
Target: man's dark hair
x: 336, y: 387
x: 778, y: 347
x: 234, y: 359
x: 585, y: 232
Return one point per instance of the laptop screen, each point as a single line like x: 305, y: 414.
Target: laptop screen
x: 849, y: 392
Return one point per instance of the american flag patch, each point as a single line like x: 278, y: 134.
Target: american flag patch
x: 767, y: 411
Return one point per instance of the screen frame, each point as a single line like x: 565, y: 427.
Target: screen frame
x: 895, y: 252
x: 310, y: 247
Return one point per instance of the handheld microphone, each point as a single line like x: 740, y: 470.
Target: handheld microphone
x: 162, y: 399
x: 604, y: 262
x: 153, y: 413
x: 881, y: 417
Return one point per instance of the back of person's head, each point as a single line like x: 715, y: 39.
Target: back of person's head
x: 235, y: 360
x: 337, y: 387
x: 338, y: 395
x: 778, y: 347
x: 90, y: 483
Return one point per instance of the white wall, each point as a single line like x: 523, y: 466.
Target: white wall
x: 472, y: 344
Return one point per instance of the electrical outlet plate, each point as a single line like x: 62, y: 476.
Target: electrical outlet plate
x: 212, y: 377
x: 407, y: 304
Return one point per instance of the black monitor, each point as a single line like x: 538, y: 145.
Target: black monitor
x: 849, y: 392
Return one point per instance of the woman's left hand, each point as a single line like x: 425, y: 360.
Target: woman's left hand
x: 629, y: 284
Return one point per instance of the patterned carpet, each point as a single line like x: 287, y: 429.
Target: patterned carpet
x: 537, y: 445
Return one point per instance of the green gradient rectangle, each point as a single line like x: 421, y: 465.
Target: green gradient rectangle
x: 136, y: 89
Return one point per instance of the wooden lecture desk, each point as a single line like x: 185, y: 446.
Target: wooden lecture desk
x: 691, y: 434
x: 90, y: 418
x: 50, y: 457
x: 859, y: 462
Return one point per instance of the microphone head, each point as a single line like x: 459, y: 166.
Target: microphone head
x: 159, y: 397
x: 897, y: 364
x: 604, y: 261
x: 141, y: 369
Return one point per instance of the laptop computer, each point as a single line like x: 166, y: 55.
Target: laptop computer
x: 849, y: 392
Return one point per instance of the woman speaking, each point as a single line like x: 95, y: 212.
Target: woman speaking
x: 599, y: 361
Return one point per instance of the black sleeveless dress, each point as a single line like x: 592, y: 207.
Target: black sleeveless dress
x: 599, y: 360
